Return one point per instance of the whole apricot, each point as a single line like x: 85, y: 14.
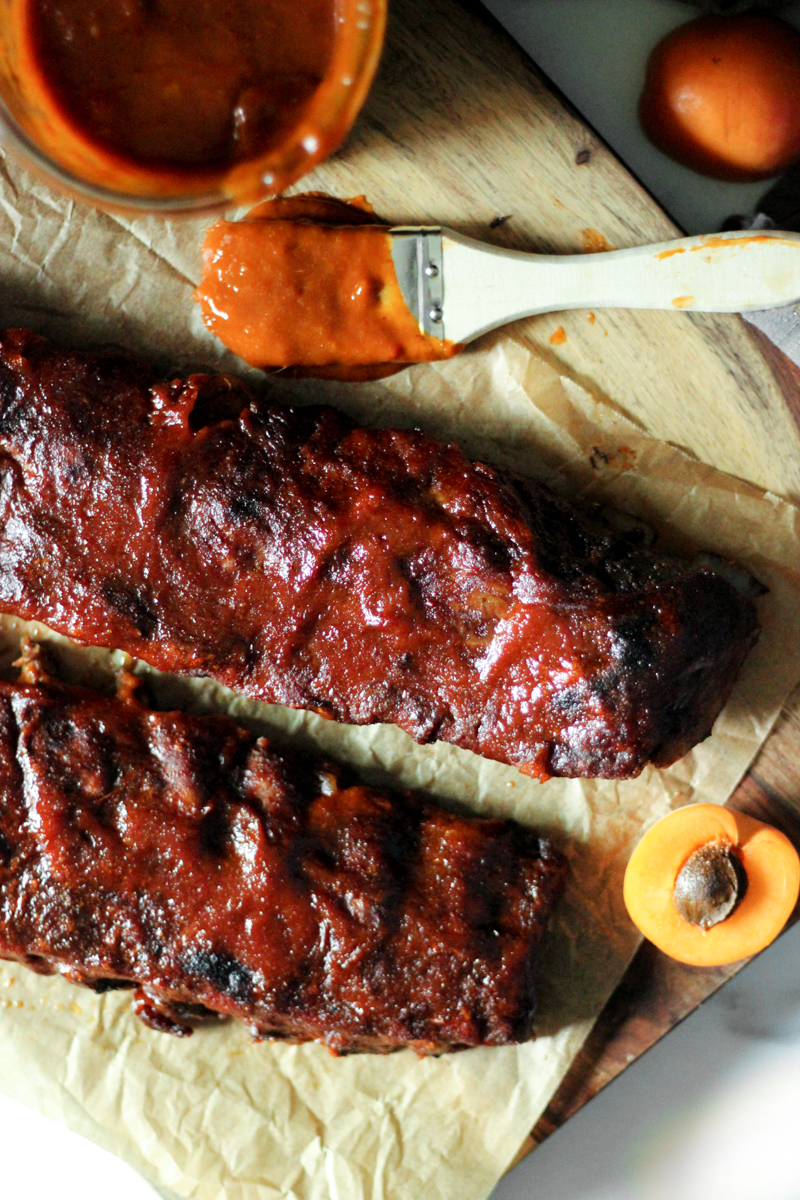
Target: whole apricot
x: 722, y: 96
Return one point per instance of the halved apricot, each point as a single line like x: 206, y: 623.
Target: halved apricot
x: 727, y: 926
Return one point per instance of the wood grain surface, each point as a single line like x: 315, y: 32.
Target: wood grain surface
x: 462, y: 129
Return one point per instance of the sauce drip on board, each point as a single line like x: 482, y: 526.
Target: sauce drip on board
x: 309, y: 282
x: 183, y: 82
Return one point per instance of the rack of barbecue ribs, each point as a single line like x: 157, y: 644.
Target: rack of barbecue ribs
x: 369, y: 575
x: 181, y: 856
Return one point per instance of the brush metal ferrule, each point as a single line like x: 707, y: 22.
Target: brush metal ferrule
x: 418, y: 264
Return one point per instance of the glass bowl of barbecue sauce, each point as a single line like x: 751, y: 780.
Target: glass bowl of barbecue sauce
x: 174, y: 105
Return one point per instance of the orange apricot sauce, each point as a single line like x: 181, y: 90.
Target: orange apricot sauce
x: 309, y: 282
x: 169, y: 99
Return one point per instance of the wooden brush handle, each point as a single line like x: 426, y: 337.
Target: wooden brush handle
x: 726, y: 272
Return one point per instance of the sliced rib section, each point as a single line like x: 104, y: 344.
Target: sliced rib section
x: 370, y: 575
x: 182, y: 856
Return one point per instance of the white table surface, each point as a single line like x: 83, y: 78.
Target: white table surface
x: 710, y: 1113
x: 713, y: 1111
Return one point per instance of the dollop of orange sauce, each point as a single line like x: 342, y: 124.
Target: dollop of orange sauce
x: 309, y: 282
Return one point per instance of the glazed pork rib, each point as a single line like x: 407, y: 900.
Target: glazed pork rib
x: 180, y: 855
x: 372, y: 576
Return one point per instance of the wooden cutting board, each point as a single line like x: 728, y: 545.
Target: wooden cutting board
x: 461, y: 129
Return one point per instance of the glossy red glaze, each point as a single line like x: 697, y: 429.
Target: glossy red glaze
x: 370, y: 575
x: 183, y: 856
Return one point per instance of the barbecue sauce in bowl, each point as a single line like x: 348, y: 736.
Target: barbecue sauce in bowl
x: 187, y: 98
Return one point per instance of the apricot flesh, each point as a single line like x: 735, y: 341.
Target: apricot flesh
x: 770, y: 863
x: 722, y: 96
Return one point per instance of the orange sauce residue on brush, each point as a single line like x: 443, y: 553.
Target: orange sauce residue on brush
x: 309, y: 282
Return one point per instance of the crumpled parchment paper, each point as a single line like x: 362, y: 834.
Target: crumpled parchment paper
x: 217, y: 1116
